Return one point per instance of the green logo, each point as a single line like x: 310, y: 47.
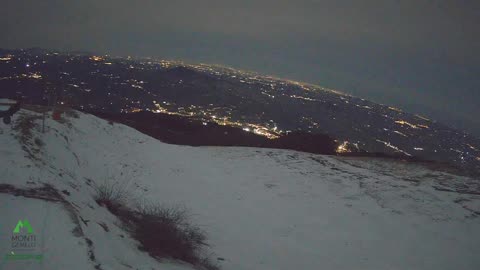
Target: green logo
x: 23, y: 224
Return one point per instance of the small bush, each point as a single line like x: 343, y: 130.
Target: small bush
x: 39, y: 142
x: 165, y: 232
x: 162, y: 231
x: 111, y: 194
x: 24, y: 126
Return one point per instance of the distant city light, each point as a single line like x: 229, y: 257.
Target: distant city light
x: 402, y: 122
x: 395, y: 109
x: 96, y: 58
x: 394, y: 129
x: 343, y: 148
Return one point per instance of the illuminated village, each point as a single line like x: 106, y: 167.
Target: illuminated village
x: 263, y: 105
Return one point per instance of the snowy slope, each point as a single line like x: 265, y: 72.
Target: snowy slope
x: 262, y: 208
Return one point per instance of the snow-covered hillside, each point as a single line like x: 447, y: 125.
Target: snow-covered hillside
x: 262, y: 208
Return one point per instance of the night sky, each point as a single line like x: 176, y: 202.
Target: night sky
x: 422, y: 56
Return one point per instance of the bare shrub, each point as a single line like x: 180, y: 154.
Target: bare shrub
x: 24, y: 125
x: 39, y: 142
x: 165, y: 231
x: 162, y: 231
x: 111, y: 194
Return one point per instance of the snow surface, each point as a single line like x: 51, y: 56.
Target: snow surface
x: 262, y: 208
